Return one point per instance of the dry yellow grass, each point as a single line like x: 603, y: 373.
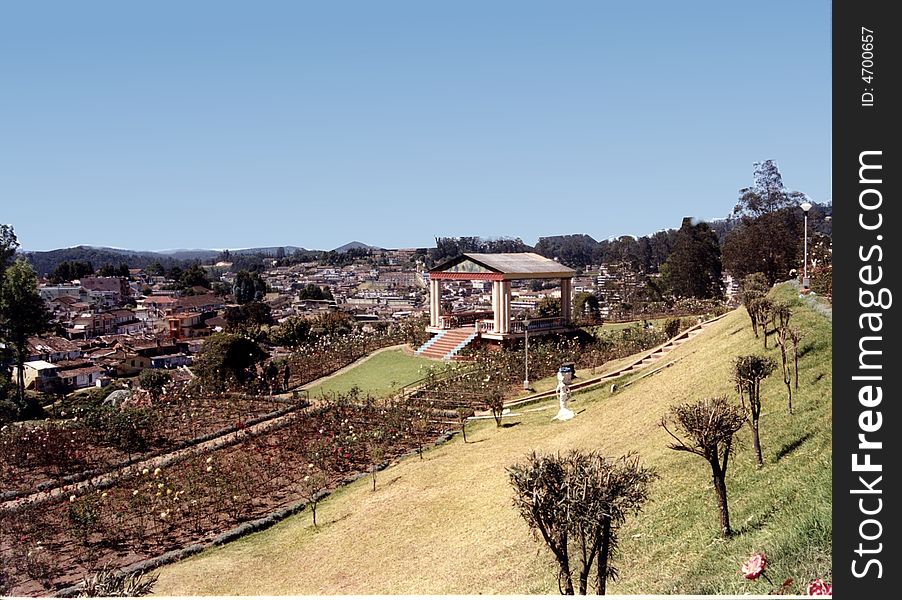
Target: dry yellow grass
x: 446, y: 525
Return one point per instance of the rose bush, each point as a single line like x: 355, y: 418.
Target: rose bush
x: 819, y: 587
x: 754, y: 567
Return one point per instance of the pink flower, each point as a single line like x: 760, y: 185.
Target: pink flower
x: 754, y: 567
x: 819, y: 587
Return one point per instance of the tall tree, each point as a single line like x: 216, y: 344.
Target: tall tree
x: 769, y: 236
x: 767, y: 194
x: 8, y: 245
x: 693, y: 269
x: 22, y: 315
x: 248, y: 287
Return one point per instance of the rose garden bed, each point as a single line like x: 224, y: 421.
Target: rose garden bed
x: 56, y: 544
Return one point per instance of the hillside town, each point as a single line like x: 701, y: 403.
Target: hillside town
x: 107, y: 327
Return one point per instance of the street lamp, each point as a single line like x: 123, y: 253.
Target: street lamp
x: 806, y: 206
x: 526, y: 330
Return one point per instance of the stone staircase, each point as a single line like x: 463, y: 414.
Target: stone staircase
x: 445, y: 345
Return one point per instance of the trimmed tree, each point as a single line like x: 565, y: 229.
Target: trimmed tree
x: 748, y: 372
x: 753, y: 288
x: 781, y: 315
x: 575, y: 504
x: 709, y: 425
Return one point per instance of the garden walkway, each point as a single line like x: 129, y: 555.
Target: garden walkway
x: 651, y: 357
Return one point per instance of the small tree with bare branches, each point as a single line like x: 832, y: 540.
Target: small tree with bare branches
x: 754, y: 287
x: 576, y: 503
x: 781, y: 315
x: 375, y: 444
x: 748, y: 372
x: 764, y: 312
x: 463, y: 415
x: 796, y: 336
x: 710, y: 425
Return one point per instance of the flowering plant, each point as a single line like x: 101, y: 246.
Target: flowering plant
x: 819, y: 587
x: 754, y: 567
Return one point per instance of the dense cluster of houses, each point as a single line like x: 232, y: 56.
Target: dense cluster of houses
x: 110, y: 327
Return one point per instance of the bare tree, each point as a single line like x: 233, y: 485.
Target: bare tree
x: 796, y: 336
x: 463, y: 415
x: 376, y: 449
x: 575, y: 504
x: 764, y: 312
x: 748, y: 372
x: 710, y: 425
x: 781, y: 315
x: 754, y: 287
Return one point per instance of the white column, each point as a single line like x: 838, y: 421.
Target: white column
x: 496, y: 306
x: 506, y: 306
x: 565, y: 299
x: 435, y: 301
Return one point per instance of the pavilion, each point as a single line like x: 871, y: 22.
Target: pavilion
x: 501, y: 269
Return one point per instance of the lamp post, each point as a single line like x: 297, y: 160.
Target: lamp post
x: 526, y: 330
x: 806, y: 206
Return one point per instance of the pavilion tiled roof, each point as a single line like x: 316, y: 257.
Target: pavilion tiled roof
x: 514, y: 265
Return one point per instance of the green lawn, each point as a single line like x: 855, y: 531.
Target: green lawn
x: 446, y: 524
x: 379, y: 375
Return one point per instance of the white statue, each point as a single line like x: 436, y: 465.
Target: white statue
x: 563, y: 394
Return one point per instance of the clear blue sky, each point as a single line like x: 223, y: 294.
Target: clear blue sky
x: 175, y: 124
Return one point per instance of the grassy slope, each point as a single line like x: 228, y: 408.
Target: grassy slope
x: 445, y: 524
x: 379, y: 375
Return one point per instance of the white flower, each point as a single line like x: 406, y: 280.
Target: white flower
x: 145, y: 471
x: 209, y: 459
x: 72, y: 498
x: 209, y: 468
x: 156, y: 471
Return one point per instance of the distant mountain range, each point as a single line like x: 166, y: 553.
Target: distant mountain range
x: 355, y: 246
x: 44, y: 262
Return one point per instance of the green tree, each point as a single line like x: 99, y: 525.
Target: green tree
x: 248, y: 287
x: 693, y: 269
x: 292, y: 332
x: 249, y: 319
x: 8, y: 245
x: 22, y: 315
x: 194, y: 276
x: 548, y: 307
x: 154, y: 381
x: 225, y: 359
x: 332, y: 324
x: 109, y: 270
x: 586, y: 308
x: 71, y: 270
x: 770, y: 231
